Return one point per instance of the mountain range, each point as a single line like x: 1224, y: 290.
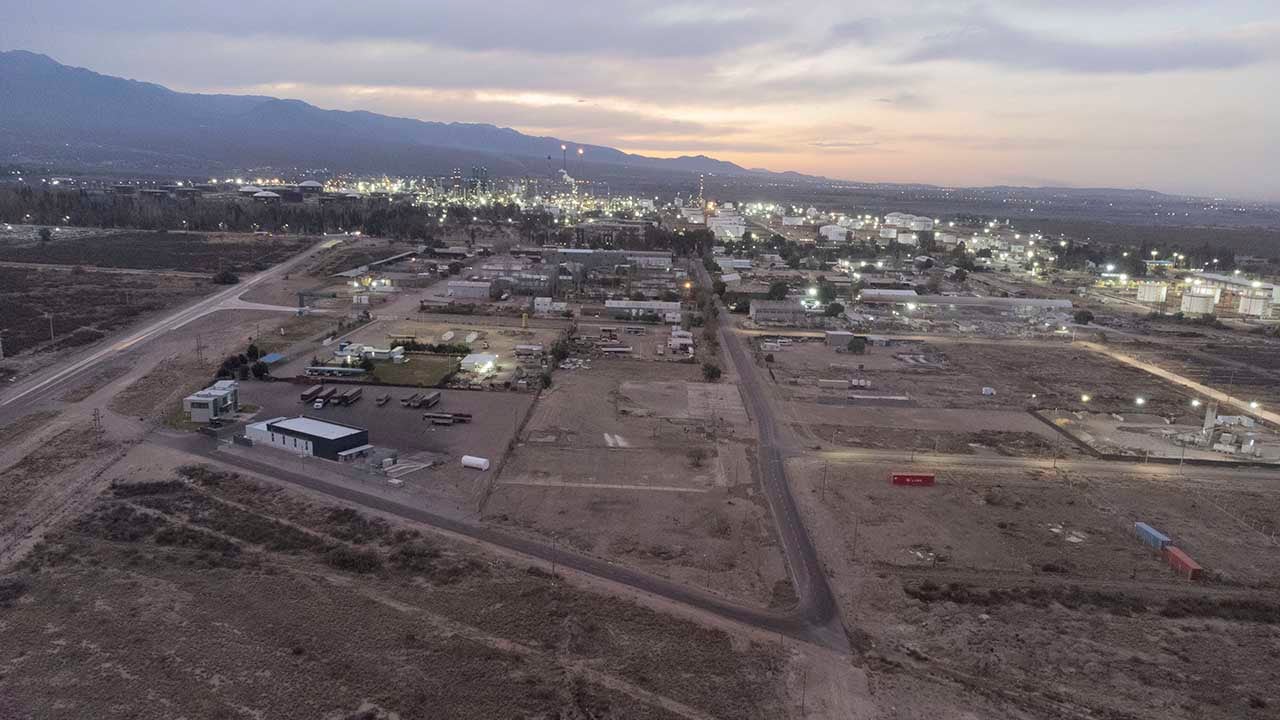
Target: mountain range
x: 68, y: 116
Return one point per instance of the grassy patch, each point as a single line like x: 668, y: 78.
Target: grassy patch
x: 419, y: 370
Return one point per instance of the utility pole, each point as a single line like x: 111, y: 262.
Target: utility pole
x: 50, y: 316
x: 824, y: 480
x: 199, y: 351
x: 97, y: 420
x: 2, y: 332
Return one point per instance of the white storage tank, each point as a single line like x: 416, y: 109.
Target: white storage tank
x: 1255, y: 306
x: 1151, y: 292
x: 475, y: 463
x: 1198, y: 304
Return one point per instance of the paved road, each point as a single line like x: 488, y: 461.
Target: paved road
x: 35, y: 387
x: 817, y: 607
x: 791, y: 624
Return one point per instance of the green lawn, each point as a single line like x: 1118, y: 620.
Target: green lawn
x: 420, y: 370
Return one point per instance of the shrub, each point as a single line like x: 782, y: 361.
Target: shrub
x: 354, y: 560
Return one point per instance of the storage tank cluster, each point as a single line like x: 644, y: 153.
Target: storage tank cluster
x: 1178, y: 560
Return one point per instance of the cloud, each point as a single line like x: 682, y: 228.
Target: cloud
x: 629, y: 28
x: 906, y: 100
x: 844, y: 145
x: 985, y: 40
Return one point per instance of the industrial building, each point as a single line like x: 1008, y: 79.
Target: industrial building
x: 469, y: 289
x: 641, y: 309
x: 215, y: 402
x: 610, y: 232
x: 909, y: 297
x: 309, y: 437
x: 481, y: 363
x: 784, y: 312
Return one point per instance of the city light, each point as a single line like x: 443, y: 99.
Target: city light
x: 1253, y: 405
x: 1085, y: 398
x: 1195, y: 403
x: 1140, y: 401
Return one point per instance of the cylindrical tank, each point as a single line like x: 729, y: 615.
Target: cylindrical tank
x: 1255, y: 306
x: 475, y: 463
x: 1152, y: 292
x: 1198, y: 304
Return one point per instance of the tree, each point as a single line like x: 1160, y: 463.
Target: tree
x: 45, y: 234
x: 857, y: 345
x: 259, y: 370
x: 225, y: 277
x: 1083, y: 317
x: 960, y: 275
x: 546, y: 378
x: 718, y: 287
x: 983, y: 253
x: 242, y: 372
x: 711, y: 372
x: 777, y: 291
x: 835, y: 309
x: 366, y: 364
x: 455, y: 267
x: 252, y: 352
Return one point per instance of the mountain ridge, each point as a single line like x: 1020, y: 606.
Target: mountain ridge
x: 50, y: 103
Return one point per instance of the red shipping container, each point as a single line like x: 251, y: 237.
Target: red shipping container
x: 921, y: 479
x: 1182, y: 563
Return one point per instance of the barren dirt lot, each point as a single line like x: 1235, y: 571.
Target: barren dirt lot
x: 643, y: 464
x: 1028, y: 588
x: 212, y: 596
x: 84, y: 306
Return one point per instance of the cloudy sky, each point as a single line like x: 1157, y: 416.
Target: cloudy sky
x: 1176, y: 95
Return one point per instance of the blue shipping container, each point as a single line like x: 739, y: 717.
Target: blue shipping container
x: 1151, y: 536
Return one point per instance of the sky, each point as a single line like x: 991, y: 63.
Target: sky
x: 1172, y: 95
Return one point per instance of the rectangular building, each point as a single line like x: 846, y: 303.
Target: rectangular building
x: 220, y: 400
x: 782, y: 312
x: 469, y: 289
x: 308, y: 436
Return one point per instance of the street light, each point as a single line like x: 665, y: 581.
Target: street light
x: 1195, y: 403
x: 1085, y: 398
x: 1140, y: 401
x: 1253, y: 405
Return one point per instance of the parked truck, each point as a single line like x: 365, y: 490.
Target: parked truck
x: 326, y: 395
x: 430, y: 399
x: 409, y: 401
x: 350, y: 396
x: 309, y: 395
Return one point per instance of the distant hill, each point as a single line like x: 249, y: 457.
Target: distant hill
x: 56, y: 113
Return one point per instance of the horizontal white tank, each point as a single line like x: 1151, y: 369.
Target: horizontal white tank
x: 475, y: 463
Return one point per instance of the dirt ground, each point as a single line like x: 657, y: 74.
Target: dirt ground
x: 159, y: 250
x: 643, y: 464
x: 951, y: 374
x: 1025, y: 591
x: 210, y: 596
x: 85, y: 306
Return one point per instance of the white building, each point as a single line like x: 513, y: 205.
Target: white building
x: 783, y: 312
x: 482, y: 363
x: 638, y: 309
x: 310, y: 437
x: 469, y: 289
x: 215, y: 402
x: 834, y: 233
